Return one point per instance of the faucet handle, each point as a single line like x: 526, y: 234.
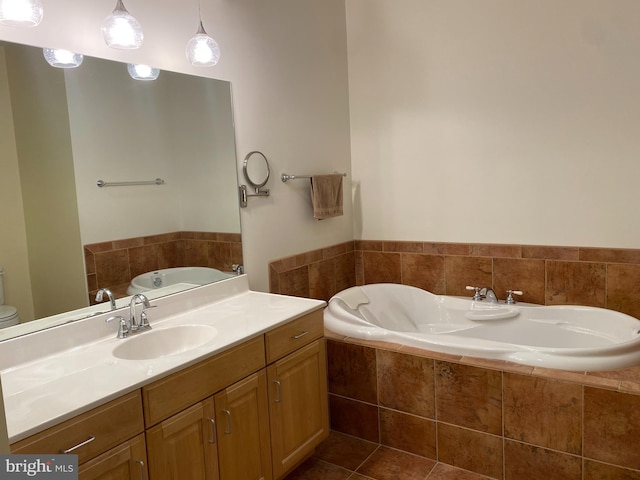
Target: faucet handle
x: 238, y: 268
x: 123, y: 328
x: 510, y: 293
x: 144, y: 321
x: 477, y: 296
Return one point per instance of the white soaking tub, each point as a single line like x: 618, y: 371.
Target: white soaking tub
x: 565, y: 337
x: 187, y: 276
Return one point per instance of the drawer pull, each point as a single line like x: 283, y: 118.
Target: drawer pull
x: 213, y: 430
x: 278, y: 398
x: 300, y: 335
x: 228, y: 413
x: 81, y: 444
x: 142, y: 472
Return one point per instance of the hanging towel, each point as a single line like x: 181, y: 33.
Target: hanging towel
x: 326, y: 195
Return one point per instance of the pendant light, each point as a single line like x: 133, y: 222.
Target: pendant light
x: 202, y: 50
x: 21, y: 13
x: 59, y: 58
x: 121, y: 30
x: 142, y: 72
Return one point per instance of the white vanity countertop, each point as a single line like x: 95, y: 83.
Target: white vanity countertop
x: 45, y: 391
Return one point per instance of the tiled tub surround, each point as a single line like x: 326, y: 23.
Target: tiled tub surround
x: 113, y: 264
x: 494, y: 418
x: 598, y: 277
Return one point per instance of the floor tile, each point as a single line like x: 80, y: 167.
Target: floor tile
x: 443, y: 471
x: 315, y: 469
x: 344, y: 450
x: 389, y: 464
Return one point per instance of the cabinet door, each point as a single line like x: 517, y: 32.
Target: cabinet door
x: 298, y: 405
x: 184, y: 446
x: 124, y: 462
x: 242, y: 416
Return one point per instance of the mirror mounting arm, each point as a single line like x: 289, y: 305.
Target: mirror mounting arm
x: 244, y: 195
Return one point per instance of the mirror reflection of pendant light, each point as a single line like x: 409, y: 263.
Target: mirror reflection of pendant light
x: 21, y: 13
x: 202, y: 50
x: 57, y: 57
x: 121, y: 30
x: 142, y: 72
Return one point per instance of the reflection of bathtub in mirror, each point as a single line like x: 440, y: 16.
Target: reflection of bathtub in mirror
x: 168, y: 277
x: 97, y: 309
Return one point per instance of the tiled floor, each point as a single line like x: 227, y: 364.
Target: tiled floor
x: 342, y: 457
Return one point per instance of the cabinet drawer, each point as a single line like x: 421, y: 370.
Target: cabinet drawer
x: 191, y: 385
x: 92, y: 432
x: 293, y: 335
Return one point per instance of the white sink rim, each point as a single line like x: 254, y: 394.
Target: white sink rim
x: 164, y: 342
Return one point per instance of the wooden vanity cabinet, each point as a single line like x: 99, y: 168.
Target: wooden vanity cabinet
x: 91, y: 433
x: 184, y: 446
x: 298, y: 402
x: 298, y: 408
x: 108, y: 440
x: 225, y: 436
x: 252, y: 412
x: 242, y: 419
x: 124, y: 462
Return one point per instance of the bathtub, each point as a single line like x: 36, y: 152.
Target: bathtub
x: 565, y: 337
x: 187, y: 276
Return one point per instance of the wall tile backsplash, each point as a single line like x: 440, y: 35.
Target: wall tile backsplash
x: 114, y: 263
x: 548, y: 275
x: 498, y: 419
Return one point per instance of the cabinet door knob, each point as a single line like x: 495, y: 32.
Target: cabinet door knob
x: 81, y: 444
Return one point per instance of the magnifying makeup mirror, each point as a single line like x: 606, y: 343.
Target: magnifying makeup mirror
x: 256, y: 171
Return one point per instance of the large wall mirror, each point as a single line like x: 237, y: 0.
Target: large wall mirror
x: 61, y: 131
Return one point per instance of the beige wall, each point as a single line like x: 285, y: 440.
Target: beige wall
x: 496, y: 121
x: 13, y: 241
x: 43, y: 145
x: 287, y: 63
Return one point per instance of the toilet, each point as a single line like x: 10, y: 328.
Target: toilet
x: 8, y: 314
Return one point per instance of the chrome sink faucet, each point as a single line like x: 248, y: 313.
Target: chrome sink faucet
x: 143, y: 323
x: 100, y: 294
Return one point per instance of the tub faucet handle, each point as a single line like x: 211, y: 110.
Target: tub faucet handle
x: 477, y: 296
x: 510, y: 293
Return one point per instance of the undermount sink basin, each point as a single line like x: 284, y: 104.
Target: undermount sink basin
x: 162, y: 343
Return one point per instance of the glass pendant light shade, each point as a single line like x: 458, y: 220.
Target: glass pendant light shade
x: 60, y: 58
x: 142, y: 72
x: 21, y: 13
x: 202, y: 50
x: 121, y: 30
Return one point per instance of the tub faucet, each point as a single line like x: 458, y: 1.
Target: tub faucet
x: 143, y: 323
x: 238, y: 268
x: 489, y: 295
x: 100, y: 294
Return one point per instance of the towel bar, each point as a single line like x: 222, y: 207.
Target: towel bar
x: 102, y: 183
x: 284, y: 177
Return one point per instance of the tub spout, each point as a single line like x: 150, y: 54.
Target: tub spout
x: 489, y: 295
